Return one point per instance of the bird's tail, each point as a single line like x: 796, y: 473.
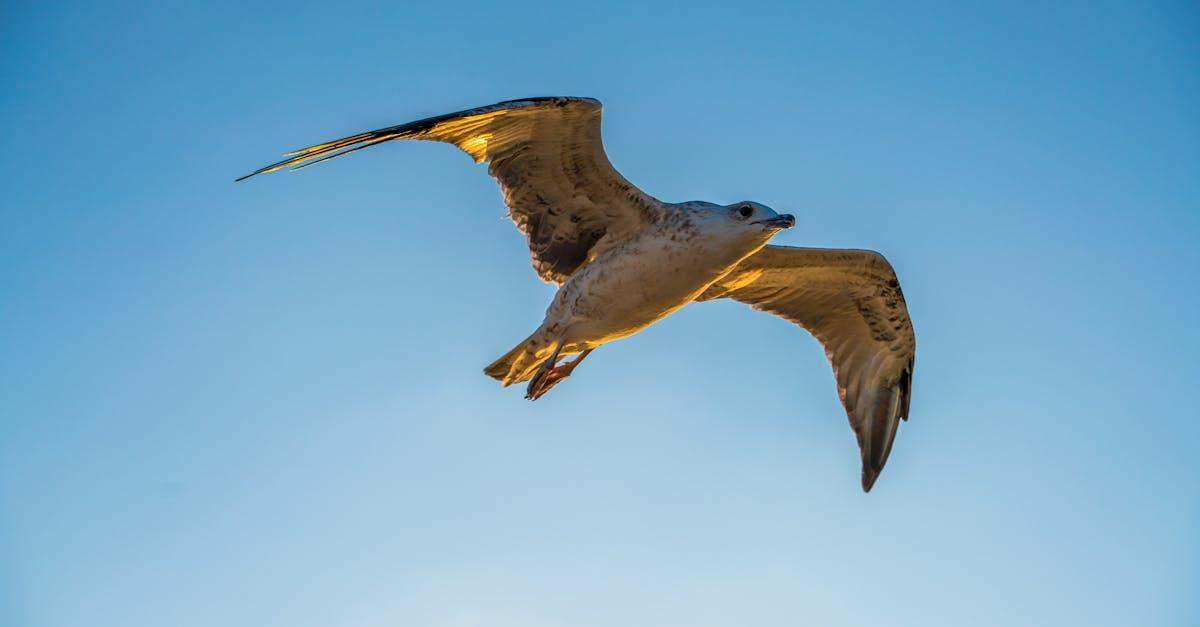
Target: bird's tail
x: 516, y: 365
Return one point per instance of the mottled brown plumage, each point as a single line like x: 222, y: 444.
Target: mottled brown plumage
x: 625, y: 260
x: 850, y: 300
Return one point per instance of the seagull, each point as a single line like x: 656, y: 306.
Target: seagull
x: 624, y: 260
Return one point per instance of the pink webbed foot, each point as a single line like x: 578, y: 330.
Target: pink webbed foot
x: 547, y: 378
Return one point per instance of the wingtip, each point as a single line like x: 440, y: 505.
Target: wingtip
x: 869, y: 475
x: 255, y: 173
x: 246, y: 176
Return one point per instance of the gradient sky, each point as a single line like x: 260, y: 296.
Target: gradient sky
x: 262, y: 403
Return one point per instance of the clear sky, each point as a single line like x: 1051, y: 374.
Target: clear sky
x: 262, y: 403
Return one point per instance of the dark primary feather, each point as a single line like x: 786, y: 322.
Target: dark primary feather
x: 851, y: 301
x: 547, y: 155
x: 410, y: 130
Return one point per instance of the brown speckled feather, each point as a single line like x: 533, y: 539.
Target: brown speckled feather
x: 547, y: 155
x: 852, y: 302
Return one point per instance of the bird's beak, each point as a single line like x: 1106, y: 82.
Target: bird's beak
x: 778, y: 223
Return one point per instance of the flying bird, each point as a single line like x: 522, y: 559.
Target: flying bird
x: 624, y: 260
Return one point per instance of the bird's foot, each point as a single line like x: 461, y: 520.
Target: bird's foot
x: 538, y: 386
x: 547, y: 378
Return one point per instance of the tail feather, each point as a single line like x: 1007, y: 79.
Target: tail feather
x: 523, y: 361
x: 515, y: 366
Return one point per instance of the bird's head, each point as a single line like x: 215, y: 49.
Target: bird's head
x: 744, y: 221
x: 757, y: 216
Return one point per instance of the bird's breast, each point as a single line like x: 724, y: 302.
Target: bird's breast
x: 634, y: 285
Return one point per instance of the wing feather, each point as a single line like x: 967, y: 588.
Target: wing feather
x: 851, y: 301
x: 548, y: 157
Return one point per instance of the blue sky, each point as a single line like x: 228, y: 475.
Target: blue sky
x: 262, y: 403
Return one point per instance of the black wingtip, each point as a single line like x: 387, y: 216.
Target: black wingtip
x: 263, y: 170
x: 905, y: 387
x: 869, y: 475
x: 313, y: 155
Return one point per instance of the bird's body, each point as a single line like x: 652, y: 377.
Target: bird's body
x: 625, y: 260
x: 633, y: 285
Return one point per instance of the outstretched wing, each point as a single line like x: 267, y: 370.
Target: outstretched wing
x: 547, y: 155
x: 851, y: 301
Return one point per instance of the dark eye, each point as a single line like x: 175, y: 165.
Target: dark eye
x: 746, y: 211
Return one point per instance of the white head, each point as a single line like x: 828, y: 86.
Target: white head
x: 744, y: 223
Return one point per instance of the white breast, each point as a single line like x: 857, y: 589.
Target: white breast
x: 644, y: 280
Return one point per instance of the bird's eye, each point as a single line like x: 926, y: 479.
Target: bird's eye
x: 746, y: 211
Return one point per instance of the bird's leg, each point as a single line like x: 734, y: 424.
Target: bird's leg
x: 539, y: 378
x: 554, y: 375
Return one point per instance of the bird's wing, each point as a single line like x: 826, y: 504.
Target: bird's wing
x: 547, y: 155
x: 851, y: 301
